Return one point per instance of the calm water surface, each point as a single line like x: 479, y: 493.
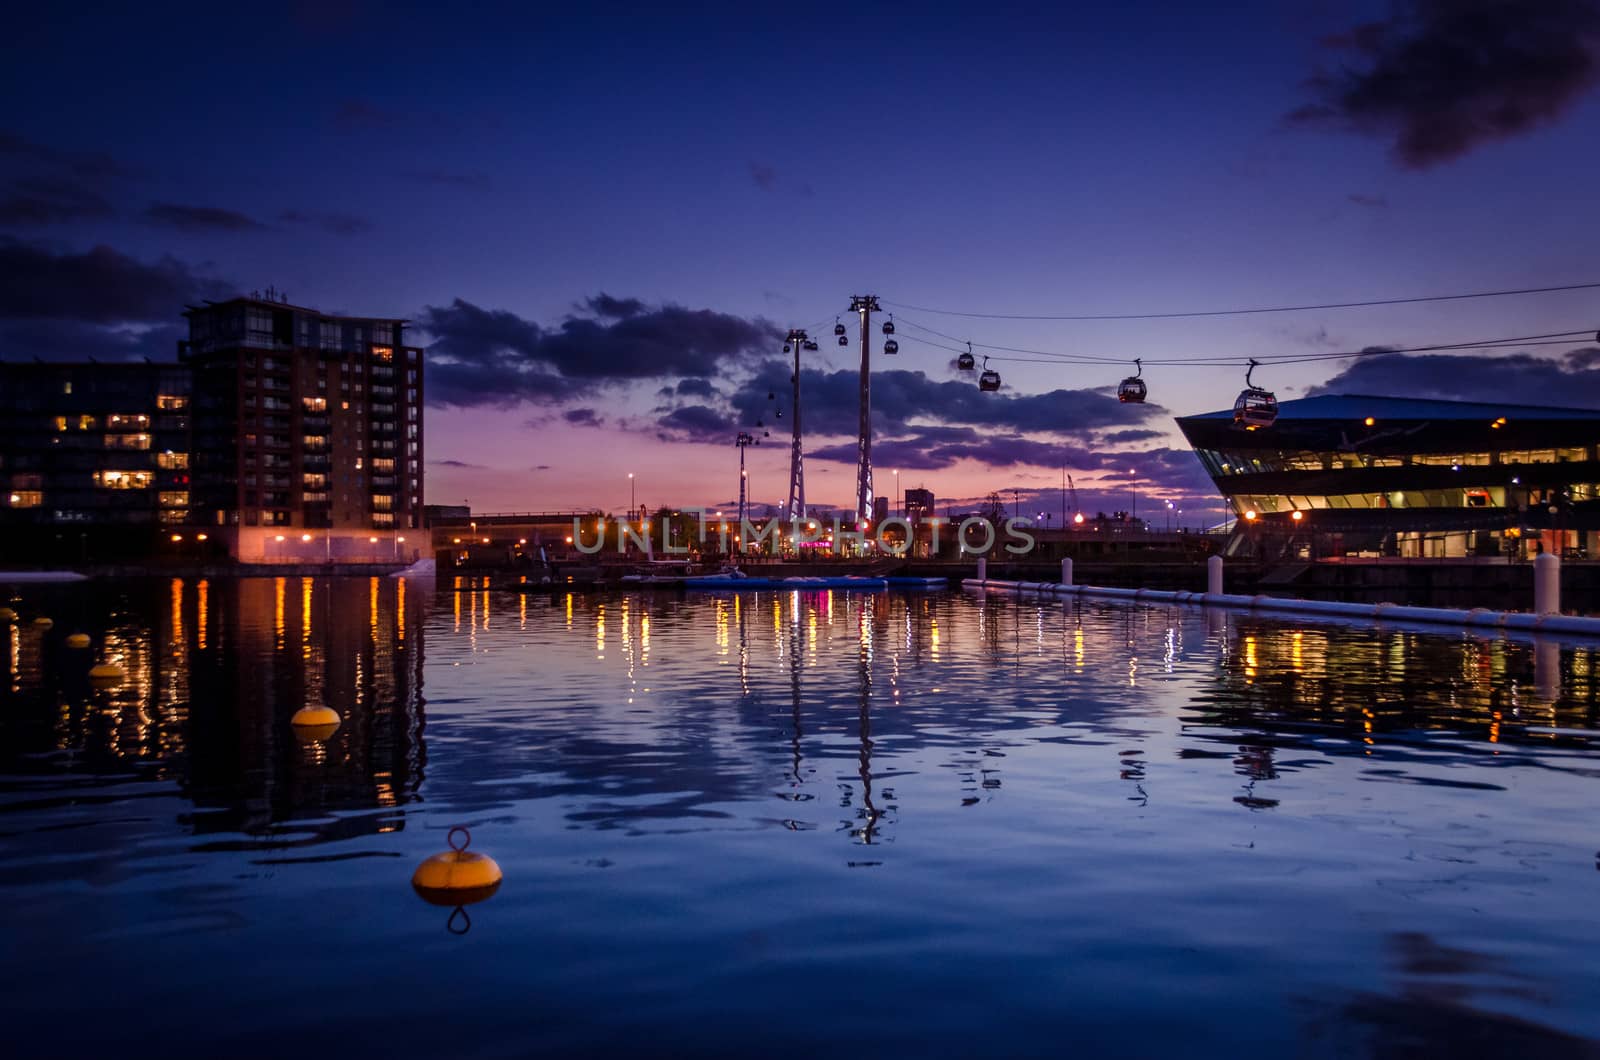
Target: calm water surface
x: 786, y: 824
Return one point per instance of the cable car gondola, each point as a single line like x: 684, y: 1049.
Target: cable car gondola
x: 966, y: 362
x: 786, y: 348
x: 1132, y: 389
x: 838, y: 329
x: 843, y: 340
x: 888, y: 325
x: 1256, y: 408
x: 891, y: 347
x: 809, y: 344
x: 989, y: 380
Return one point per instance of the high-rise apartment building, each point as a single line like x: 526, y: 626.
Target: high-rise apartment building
x: 307, y: 429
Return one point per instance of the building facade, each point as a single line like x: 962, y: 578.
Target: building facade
x: 1350, y: 475
x: 307, y: 430
x: 95, y: 458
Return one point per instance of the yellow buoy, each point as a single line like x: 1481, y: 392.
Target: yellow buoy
x: 42, y: 623
x: 78, y: 640
x: 456, y: 877
x: 7, y: 615
x: 106, y: 674
x: 315, y: 723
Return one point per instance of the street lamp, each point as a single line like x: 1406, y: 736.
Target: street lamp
x: 632, y: 504
x: 894, y: 508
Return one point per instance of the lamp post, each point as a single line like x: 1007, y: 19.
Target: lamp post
x: 894, y: 505
x: 632, y: 507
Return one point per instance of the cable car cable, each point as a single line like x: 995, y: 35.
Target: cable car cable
x: 1252, y: 310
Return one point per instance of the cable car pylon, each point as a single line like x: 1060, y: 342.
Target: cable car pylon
x: 796, y: 509
x: 865, y: 305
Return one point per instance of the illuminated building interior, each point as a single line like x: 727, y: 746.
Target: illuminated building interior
x: 1349, y: 475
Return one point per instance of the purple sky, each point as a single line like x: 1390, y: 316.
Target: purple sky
x: 601, y: 224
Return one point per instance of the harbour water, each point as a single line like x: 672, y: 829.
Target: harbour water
x: 785, y: 824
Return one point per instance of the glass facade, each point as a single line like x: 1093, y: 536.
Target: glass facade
x: 1426, y: 479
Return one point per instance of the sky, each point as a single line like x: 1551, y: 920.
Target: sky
x: 601, y: 223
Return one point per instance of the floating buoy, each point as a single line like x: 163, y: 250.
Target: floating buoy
x: 456, y: 877
x: 78, y: 640
x: 315, y: 723
x: 42, y: 623
x: 106, y: 674
x: 7, y: 615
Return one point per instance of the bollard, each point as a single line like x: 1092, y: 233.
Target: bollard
x: 1214, y: 576
x: 1546, y: 584
x: 1066, y: 571
x: 983, y: 569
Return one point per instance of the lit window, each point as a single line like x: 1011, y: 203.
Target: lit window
x: 170, y: 461
x: 172, y: 402
x: 27, y: 498
x: 127, y: 441
x: 174, y: 498
x: 123, y: 480
x: 61, y: 423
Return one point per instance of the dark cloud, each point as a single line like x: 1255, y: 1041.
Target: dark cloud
x: 473, y: 181
x: 603, y: 305
x: 456, y: 463
x: 200, y: 218
x: 696, y: 423
x: 935, y: 448
x: 1439, y: 78
x: 482, y: 356
x: 1125, y: 437
x: 74, y: 340
x: 98, y: 286
x: 90, y: 165
x: 31, y: 201
x: 695, y: 388
x: 585, y: 417
x: 338, y: 224
x: 764, y: 176
x: 901, y: 397
x: 1572, y: 380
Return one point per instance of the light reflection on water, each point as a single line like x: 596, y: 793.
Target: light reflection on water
x: 919, y: 817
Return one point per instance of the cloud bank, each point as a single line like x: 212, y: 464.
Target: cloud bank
x: 1439, y: 78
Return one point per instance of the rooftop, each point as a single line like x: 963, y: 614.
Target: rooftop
x: 1360, y: 406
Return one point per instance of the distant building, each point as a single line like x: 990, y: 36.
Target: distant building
x: 95, y: 458
x: 307, y: 430
x: 1377, y: 476
x: 880, y: 509
x: 919, y: 505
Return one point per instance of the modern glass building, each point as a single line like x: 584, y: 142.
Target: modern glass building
x: 1352, y: 475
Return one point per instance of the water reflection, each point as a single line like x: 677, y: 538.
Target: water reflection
x: 1136, y: 804
x: 214, y: 669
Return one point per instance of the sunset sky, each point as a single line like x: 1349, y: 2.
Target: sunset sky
x: 602, y: 223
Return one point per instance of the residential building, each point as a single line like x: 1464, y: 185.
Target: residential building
x: 95, y: 458
x: 307, y: 429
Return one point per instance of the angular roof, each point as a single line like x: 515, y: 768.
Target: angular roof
x: 1360, y: 406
